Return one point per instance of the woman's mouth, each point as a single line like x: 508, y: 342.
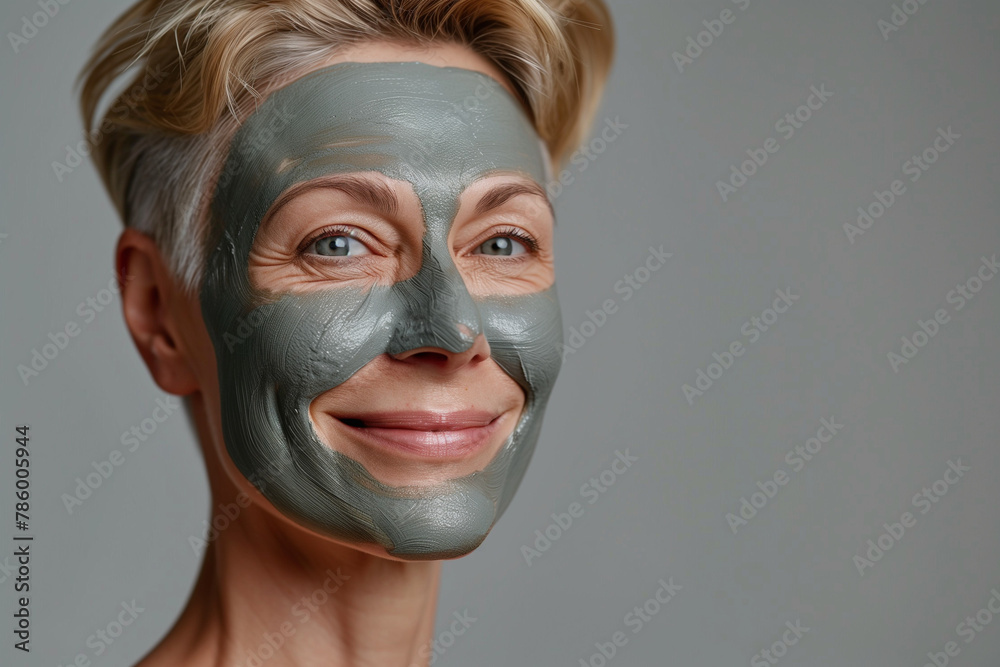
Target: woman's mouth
x: 426, y: 434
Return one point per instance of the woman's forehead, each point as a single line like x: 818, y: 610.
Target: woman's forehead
x: 441, y: 128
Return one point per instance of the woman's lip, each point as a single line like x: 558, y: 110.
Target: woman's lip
x: 422, y: 420
x: 450, y: 435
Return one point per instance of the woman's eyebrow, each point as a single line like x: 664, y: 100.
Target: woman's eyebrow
x: 373, y: 192
x: 499, y: 194
x: 361, y: 189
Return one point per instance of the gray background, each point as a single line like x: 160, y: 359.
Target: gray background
x: 826, y: 357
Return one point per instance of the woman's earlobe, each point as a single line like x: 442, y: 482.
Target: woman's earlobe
x: 152, y: 314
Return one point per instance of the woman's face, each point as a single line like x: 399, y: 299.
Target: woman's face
x: 426, y: 414
x: 381, y: 299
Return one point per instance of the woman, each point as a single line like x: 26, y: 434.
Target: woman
x: 338, y: 248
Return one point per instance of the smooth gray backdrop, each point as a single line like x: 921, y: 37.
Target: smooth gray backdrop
x: 681, y: 127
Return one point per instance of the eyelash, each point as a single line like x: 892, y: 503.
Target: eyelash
x: 339, y: 230
x: 332, y: 230
x: 519, y: 234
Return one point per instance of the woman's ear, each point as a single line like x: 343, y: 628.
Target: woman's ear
x: 157, y: 313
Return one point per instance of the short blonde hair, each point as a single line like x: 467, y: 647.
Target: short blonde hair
x: 201, y: 66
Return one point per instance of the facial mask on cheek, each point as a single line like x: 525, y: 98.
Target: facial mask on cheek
x: 441, y: 129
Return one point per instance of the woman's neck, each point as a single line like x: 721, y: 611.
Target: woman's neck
x: 269, y: 596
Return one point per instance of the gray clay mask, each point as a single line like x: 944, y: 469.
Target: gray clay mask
x: 412, y: 122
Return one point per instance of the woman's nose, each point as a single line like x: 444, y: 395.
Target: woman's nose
x: 445, y: 359
x: 436, y: 313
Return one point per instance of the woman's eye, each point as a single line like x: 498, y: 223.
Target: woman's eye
x: 502, y: 246
x: 339, y: 245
